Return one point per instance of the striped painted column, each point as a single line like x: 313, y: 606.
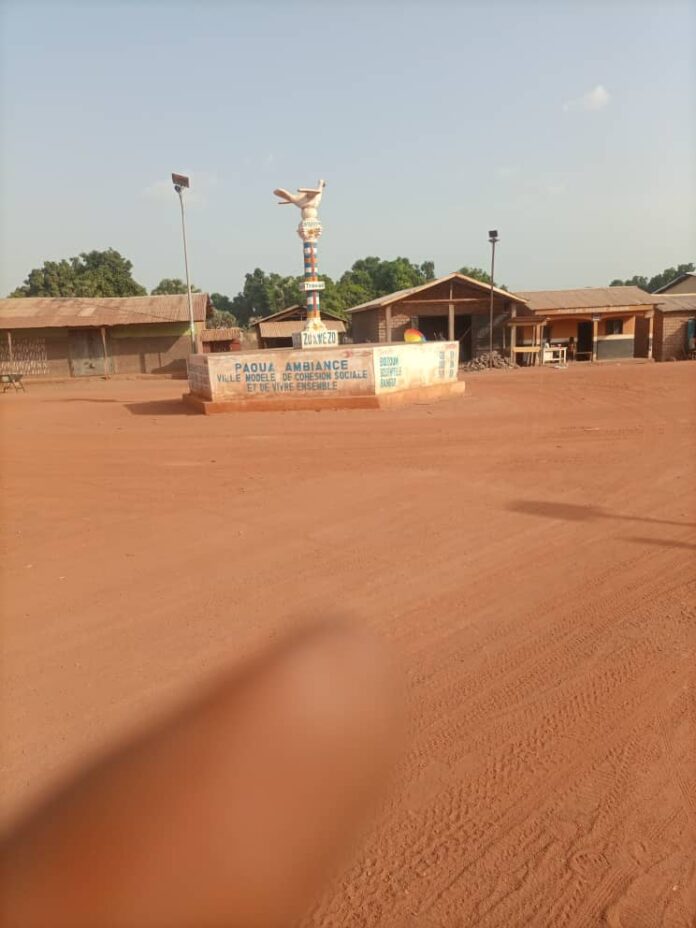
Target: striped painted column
x: 310, y: 274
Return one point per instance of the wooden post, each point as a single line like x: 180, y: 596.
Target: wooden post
x: 106, y: 356
x: 9, y: 346
x: 450, y: 316
x: 513, y: 333
x: 651, y: 319
x: 388, y: 323
x: 534, y: 357
x: 595, y: 331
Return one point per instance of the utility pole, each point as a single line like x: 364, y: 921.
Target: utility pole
x: 181, y: 182
x: 492, y: 238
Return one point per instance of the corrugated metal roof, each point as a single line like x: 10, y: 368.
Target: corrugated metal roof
x: 675, y: 280
x: 221, y: 335
x: 410, y: 291
x: 297, y: 310
x: 586, y: 298
x: 677, y: 302
x: 78, y: 312
x: 528, y: 320
x: 286, y: 329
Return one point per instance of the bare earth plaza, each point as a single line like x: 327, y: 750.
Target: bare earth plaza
x: 348, y: 527
x: 523, y: 548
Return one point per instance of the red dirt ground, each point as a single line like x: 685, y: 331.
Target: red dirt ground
x: 527, y: 551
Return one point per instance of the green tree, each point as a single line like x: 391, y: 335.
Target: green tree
x: 651, y: 284
x: 373, y: 277
x: 220, y: 320
x: 370, y: 277
x: 478, y: 273
x: 222, y: 303
x: 264, y: 294
x: 172, y: 285
x: 92, y: 273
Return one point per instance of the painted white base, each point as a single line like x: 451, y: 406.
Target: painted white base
x: 325, y: 373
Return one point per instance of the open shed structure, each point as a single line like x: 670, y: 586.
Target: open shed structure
x: 593, y: 323
x: 276, y: 331
x: 450, y: 308
x: 82, y: 336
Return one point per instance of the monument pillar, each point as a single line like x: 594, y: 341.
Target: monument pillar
x: 315, y: 334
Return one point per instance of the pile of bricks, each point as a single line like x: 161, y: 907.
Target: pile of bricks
x: 483, y: 362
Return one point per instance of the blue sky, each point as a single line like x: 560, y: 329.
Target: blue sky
x: 568, y: 126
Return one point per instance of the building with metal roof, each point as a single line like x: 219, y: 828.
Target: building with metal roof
x: 592, y: 323
x: 79, y: 336
x: 452, y: 308
x: 276, y: 330
x: 684, y: 283
x: 675, y: 326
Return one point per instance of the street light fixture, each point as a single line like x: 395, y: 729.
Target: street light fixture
x: 492, y: 238
x: 181, y: 183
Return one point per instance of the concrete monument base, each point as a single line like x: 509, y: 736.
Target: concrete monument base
x: 344, y: 377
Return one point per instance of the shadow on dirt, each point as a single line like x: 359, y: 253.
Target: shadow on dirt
x: 663, y: 543
x: 573, y: 512
x: 160, y: 408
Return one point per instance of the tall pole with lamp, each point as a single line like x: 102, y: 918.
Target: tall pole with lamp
x: 181, y: 182
x: 492, y: 238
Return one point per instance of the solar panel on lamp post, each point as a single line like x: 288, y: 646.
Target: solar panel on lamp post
x: 492, y: 238
x: 181, y: 183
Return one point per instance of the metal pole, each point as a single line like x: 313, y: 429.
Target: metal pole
x: 490, y: 313
x: 188, y: 279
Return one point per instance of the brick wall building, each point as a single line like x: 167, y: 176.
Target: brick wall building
x: 675, y: 326
x: 451, y: 308
x: 73, y: 337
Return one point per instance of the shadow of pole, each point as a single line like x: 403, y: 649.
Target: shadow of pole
x: 160, y: 408
x: 573, y: 512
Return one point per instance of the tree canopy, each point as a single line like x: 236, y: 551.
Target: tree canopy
x: 266, y: 293
x: 651, y: 284
x: 478, y: 273
x: 92, y: 273
x: 172, y: 285
x: 107, y: 273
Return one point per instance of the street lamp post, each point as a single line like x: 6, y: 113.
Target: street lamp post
x: 492, y: 238
x: 181, y: 182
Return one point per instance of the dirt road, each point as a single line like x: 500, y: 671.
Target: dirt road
x: 528, y: 552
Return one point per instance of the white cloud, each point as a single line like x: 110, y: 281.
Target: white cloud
x: 159, y: 190
x: 595, y: 99
x: 508, y: 170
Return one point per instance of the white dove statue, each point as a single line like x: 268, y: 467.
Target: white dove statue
x: 306, y: 198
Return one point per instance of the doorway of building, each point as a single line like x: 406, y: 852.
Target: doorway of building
x: 436, y: 328
x: 86, y: 352
x: 584, y: 349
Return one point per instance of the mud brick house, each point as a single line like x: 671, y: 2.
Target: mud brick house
x: 276, y: 331
x: 684, y: 283
x: 452, y: 308
x: 223, y: 339
x: 82, y: 336
x: 675, y: 326
x: 594, y: 323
